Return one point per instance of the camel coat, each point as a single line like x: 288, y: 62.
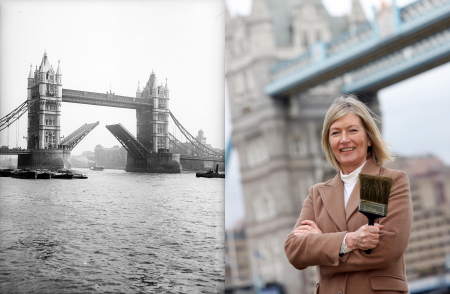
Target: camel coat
x: 382, y: 271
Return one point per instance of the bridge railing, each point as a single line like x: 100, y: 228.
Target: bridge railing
x: 360, y: 36
x: 416, y: 53
x: 417, y: 9
x: 76, y: 136
x: 108, y: 98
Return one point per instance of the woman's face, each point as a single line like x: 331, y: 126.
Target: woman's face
x: 349, y: 141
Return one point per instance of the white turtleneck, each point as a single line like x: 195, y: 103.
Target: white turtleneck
x: 350, y: 182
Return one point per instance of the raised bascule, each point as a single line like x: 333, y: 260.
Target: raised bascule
x: 148, y: 151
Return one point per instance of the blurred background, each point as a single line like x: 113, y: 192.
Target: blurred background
x: 285, y: 61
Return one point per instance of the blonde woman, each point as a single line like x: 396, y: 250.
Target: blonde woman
x: 330, y: 232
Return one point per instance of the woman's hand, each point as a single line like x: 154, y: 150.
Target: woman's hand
x: 366, y: 237
x: 307, y: 227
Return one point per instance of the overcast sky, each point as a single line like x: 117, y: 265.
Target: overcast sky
x: 111, y: 45
x: 415, y: 112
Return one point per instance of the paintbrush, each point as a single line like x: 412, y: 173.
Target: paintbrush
x: 374, y: 196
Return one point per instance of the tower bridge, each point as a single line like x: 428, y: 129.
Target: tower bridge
x: 148, y: 151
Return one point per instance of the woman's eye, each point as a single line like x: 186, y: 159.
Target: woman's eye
x: 353, y: 130
x: 334, y: 133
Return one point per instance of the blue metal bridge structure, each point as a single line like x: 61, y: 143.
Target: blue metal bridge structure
x: 372, y: 57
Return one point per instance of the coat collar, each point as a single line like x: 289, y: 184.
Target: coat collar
x: 332, y: 194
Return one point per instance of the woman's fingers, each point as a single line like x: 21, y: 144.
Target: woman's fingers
x: 368, y: 237
x: 306, y: 229
x: 311, y: 224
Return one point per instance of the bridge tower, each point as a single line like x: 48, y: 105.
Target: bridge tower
x: 44, y: 102
x: 152, y: 123
x: 44, y: 97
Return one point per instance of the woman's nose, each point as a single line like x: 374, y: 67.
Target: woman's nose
x: 344, y: 138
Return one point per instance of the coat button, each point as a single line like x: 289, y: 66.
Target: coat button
x: 339, y: 292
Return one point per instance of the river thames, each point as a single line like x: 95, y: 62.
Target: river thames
x: 114, y: 232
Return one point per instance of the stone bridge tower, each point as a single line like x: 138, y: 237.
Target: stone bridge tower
x: 44, y: 102
x: 152, y: 123
x: 44, y: 119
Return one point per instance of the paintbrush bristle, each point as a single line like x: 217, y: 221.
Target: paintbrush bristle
x: 374, y: 194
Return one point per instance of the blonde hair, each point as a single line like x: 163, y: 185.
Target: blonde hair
x: 342, y: 106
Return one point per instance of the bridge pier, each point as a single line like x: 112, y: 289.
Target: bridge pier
x: 44, y: 159
x: 161, y: 162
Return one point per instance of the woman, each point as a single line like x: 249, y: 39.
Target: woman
x: 331, y: 233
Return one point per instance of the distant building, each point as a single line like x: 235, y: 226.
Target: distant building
x: 200, y: 137
x: 429, y: 244
x: 85, y: 160
x: 114, y: 157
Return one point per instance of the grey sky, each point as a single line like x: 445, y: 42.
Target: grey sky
x: 107, y: 45
x: 416, y: 112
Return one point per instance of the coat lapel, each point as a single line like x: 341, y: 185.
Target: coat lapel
x: 353, y: 201
x: 332, y: 195
x: 370, y: 168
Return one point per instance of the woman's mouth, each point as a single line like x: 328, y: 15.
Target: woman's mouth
x: 347, y: 149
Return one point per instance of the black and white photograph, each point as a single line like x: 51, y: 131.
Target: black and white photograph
x: 112, y: 159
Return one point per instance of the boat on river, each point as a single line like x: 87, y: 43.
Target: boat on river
x: 210, y: 174
x: 59, y: 175
x: 79, y: 176
x: 43, y: 174
x: 24, y: 174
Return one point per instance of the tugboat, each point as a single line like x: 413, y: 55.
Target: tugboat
x: 62, y: 174
x: 43, y: 174
x: 79, y: 176
x: 210, y: 174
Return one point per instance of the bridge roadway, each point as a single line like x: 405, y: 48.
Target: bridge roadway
x: 414, y: 23
x: 104, y: 99
x: 16, y: 151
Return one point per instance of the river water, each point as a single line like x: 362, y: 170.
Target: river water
x: 114, y: 232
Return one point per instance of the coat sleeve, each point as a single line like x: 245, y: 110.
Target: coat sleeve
x: 393, y: 241
x: 312, y: 249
